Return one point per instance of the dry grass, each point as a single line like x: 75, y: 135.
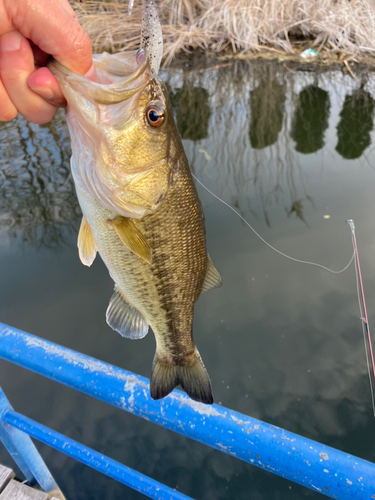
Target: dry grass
x: 336, y: 29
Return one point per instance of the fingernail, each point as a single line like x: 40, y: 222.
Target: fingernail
x: 44, y: 92
x: 11, y: 41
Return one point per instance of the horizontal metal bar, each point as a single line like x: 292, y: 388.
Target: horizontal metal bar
x: 306, y: 462
x: 99, y: 462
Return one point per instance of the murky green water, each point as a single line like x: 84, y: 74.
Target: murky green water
x: 294, y: 154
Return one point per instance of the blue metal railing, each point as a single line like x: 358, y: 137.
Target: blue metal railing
x: 306, y: 462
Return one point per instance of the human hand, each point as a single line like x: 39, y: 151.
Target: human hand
x: 30, y: 31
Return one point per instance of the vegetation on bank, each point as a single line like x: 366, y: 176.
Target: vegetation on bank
x: 338, y: 30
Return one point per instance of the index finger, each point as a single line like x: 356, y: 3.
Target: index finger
x: 54, y: 27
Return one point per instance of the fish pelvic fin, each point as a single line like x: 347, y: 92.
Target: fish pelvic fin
x: 213, y: 278
x: 192, y: 377
x: 124, y: 318
x: 86, y: 243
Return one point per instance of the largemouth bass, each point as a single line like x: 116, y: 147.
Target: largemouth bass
x: 141, y: 211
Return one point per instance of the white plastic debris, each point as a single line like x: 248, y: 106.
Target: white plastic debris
x: 309, y: 54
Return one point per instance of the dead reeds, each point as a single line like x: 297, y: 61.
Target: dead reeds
x: 336, y: 29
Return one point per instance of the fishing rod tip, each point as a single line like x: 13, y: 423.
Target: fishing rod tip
x: 351, y: 224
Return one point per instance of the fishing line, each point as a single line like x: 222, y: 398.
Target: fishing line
x: 268, y: 244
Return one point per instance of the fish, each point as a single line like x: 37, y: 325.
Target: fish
x: 141, y: 210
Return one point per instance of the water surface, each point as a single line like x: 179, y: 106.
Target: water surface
x: 293, y: 151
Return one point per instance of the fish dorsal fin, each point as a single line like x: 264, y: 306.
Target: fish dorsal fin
x: 213, y: 278
x: 131, y: 237
x: 86, y: 243
x: 124, y: 318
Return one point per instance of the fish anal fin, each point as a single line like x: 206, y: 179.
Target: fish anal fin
x: 131, y: 237
x: 213, y: 278
x: 193, y: 378
x: 124, y: 318
x: 86, y: 243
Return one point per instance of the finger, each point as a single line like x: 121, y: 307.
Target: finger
x: 56, y: 31
x: 16, y: 64
x: 44, y: 83
x: 7, y: 109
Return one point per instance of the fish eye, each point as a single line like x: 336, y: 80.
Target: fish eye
x: 155, y: 115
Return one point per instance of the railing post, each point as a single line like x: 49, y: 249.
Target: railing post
x: 25, y: 454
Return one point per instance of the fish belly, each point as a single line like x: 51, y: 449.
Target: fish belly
x: 130, y: 273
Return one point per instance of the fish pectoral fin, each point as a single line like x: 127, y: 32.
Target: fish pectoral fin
x: 213, y: 278
x: 124, y: 318
x: 86, y: 243
x: 131, y: 237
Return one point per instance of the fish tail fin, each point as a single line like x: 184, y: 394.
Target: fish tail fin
x: 192, y: 377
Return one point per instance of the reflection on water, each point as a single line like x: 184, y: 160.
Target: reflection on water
x: 258, y: 155
x: 297, y: 209
x: 310, y: 119
x: 281, y: 341
x: 37, y: 197
x: 192, y: 111
x: 267, y: 101
x: 355, y: 125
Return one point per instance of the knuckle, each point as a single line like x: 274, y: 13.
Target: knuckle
x: 8, y: 113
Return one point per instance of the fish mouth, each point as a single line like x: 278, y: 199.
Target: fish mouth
x: 116, y: 78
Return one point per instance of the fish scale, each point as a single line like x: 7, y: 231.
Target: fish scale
x: 177, y: 238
